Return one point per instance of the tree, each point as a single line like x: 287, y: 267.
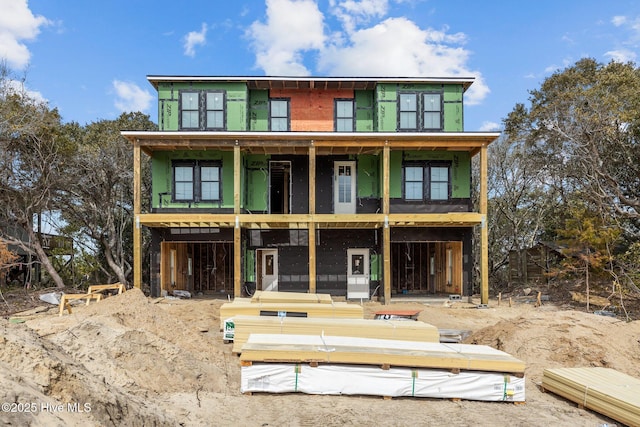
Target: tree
x: 99, y: 201
x: 33, y: 153
x: 521, y: 199
x: 590, y: 241
x: 585, y: 122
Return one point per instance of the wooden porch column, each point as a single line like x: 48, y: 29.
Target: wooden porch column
x: 312, y: 227
x: 386, y: 232
x: 137, y: 206
x: 237, y: 242
x: 484, y: 235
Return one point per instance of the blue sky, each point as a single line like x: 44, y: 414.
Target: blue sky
x: 90, y: 59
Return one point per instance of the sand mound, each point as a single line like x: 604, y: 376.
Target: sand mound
x: 565, y: 339
x: 140, y: 361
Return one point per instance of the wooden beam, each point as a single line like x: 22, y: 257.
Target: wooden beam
x: 312, y: 180
x: 237, y: 261
x: 137, y: 206
x: 386, y: 263
x: 386, y: 232
x: 236, y: 179
x: 484, y: 234
x: 312, y: 258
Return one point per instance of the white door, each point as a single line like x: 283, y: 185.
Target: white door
x: 358, y: 274
x: 269, y: 270
x: 344, y: 184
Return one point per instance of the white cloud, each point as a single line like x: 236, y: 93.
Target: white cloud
x: 397, y: 47
x: 489, y: 127
x: 618, y: 20
x: 292, y: 27
x: 130, y: 97
x: 352, y: 13
x: 193, y: 39
x: 621, y: 55
x: 391, y: 47
x: 17, y: 87
x: 18, y: 24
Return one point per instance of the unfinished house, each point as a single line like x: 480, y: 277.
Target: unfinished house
x: 347, y: 186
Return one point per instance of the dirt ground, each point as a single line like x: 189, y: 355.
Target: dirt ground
x: 132, y: 360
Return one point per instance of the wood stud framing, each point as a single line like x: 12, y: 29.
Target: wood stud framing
x: 312, y: 146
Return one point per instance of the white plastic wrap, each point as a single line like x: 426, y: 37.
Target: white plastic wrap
x: 374, y: 381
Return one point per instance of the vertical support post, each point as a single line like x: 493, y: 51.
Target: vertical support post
x: 311, y: 224
x: 386, y: 234
x: 137, y: 206
x: 484, y: 234
x: 237, y: 231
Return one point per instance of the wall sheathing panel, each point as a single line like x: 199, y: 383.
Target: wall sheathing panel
x: 364, y: 111
x: 258, y: 110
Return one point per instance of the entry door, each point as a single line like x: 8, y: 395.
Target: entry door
x: 269, y: 270
x: 344, y: 197
x: 358, y: 273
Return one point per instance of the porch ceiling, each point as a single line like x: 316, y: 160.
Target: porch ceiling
x: 325, y: 143
x: 319, y: 221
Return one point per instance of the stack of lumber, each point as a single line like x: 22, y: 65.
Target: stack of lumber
x: 289, y: 309
x: 362, y: 328
x: 348, y: 365
x: 602, y: 390
x: 262, y: 296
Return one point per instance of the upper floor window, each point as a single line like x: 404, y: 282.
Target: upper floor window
x: 344, y: 117
x: 190, y: 109
x: 426, y: 181
x: 419, y: 111
x: 279, y: 115
x: 196, y: 181
x: 202, y: 110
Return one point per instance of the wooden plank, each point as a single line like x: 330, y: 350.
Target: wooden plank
x: 65, y: 298
x: 604, y: 390
x: 337, y: 309
x: 361, y: 328
x: 290, y: 297
x: 113, y: 286
x: 484, y: 232
x: 366, y: 351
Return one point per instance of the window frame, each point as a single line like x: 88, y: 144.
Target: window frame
x: 223, y: 109
x: 182, y: 110
x: 337, y: 117
x: 196, y: 182
x: 287, y: 117
x: 203, y: 110
x: 421, y: 110
x: 427, y: 181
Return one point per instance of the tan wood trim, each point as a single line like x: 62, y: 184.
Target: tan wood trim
x: 312, y: 180
x: 386, y: 251
x: 137, y: 206
x: 237, y: 262
x: 312, y: 258
x: 236, y: 179
x: 385, y: 179
x: 484, y: 234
